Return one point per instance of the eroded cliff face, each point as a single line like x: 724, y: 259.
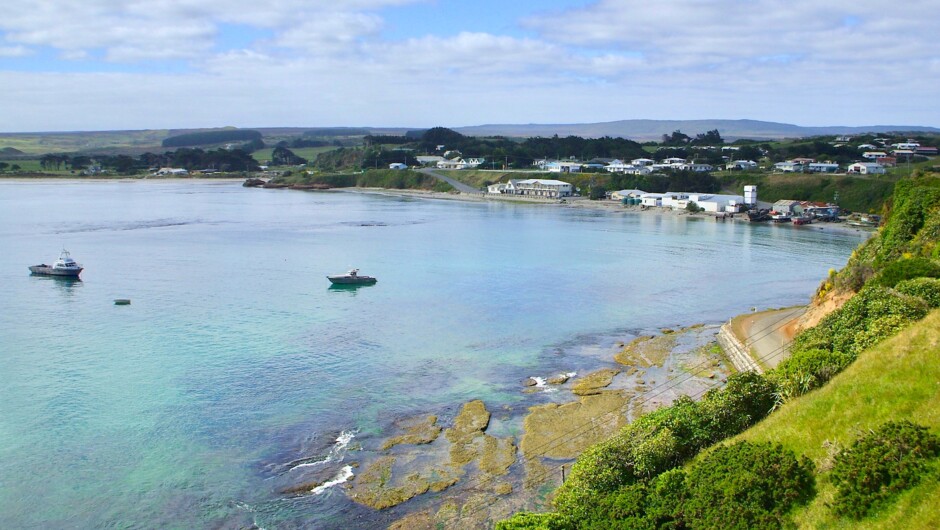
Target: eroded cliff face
x: 820, y: 308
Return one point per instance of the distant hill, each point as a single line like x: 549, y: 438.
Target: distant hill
x: 649, y: 130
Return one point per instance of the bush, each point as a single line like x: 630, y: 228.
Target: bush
x: 807, y: 369
x: 927, y: 289
x: 747, y: 485
x: 535, y: 521
x: 905, y: 269
x: 663, y: 439
x: 880, y: 465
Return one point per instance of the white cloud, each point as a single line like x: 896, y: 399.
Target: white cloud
x: 326, y: 63
x: 15, y: 51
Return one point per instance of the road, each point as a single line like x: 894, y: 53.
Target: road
x: 767, y: 334
x: 459, y: 186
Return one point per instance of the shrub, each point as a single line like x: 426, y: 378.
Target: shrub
x: 879, y: 465
x: 747, y: 485
x: 663, y: 439
x: 807, y: 369
x: 905, y: 269
x: 535, y: 521
x: 927, y: 289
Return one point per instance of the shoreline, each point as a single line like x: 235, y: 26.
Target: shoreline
x: 598, y: 205
x: 577, y: 202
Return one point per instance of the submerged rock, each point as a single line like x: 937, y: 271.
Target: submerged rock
x: 564, y: 431
x: 647, y: 351
x: 418, y: 431
x: 375, y: 487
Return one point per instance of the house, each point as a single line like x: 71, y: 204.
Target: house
x: 674, y: 160
x: 539, y: 188
x: 697, y: 168
x: 788, y: 167
x: 460, y: 163
x: 823, y: 167
x: 627, y: 194
x: 741, y: 165
x: 171, y: 171
x: 398, y: 166
x: 887, y: 161
x: 642, y: 162
x: 788, y: 206
x: 563, y: 167
x: 803, y: 161
x: 872, y: 155
x: 911, y: 145
x: 619, y: 166
x: 926, y: 151
x: 868, y: 147
x: 866, y: 168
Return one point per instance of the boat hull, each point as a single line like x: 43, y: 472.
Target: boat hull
x: 45, y: 270
x: 346, y: 280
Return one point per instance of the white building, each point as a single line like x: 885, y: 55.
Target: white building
x: 867, y: 168
x: 716, y: 203
x: 697, y: 168
x: 460, y: 163
x: 823, y: 167
x: 563, y: 167
x: 642, y: 161
x: 651, y: 199
x: 789, y: 167
x: 872, y: 155
x: 674, y: 160
x: 429, y: 160
x: 534, y: 188
x: 627, y: 194
x: 741, y: 164
x: 172, y: 171
x: 398, y: 166
x: 619, y: 166
x: 750, y: 195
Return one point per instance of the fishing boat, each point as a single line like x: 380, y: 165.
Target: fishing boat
x: 351, y: 278
x: 64, y: 266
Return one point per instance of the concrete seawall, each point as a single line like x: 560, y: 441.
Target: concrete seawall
x: 736, y: 352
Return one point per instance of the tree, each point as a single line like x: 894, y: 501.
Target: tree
x: 677, y: 138
x: 712, y: 137
x: 282, y: 156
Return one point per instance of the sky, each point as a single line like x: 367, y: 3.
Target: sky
x: 155, y: 64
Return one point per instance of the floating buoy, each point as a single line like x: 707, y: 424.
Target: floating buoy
x: 122, y: 301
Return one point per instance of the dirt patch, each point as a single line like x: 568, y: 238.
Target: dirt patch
x: 819, y: 310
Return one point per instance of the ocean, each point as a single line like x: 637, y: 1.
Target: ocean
x: 236, y: 362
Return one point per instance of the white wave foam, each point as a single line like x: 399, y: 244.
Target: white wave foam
x: 344, y: 474
x: 337, y: 452
x: 539, y: 382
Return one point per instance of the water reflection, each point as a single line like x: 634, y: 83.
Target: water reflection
x: 350, y: 288
x: 64, y: 284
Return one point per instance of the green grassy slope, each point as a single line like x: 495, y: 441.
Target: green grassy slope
x: 898, y: 379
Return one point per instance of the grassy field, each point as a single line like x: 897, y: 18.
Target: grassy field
x: 263, y: 156
x: 897, y: 380
x: 38, y: 144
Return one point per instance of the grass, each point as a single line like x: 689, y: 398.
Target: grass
x: 898, y: 379
x: 42, y: 143
x: 263, y: 156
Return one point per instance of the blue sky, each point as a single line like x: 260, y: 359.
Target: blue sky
x: 135, y: 64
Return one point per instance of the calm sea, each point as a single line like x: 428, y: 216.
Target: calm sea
x: 236, y: 361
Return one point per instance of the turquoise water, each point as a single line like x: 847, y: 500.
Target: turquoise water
x: 235, y: 360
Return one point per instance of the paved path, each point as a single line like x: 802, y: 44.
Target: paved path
x: 459, y: 186
x: 767, y: 334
